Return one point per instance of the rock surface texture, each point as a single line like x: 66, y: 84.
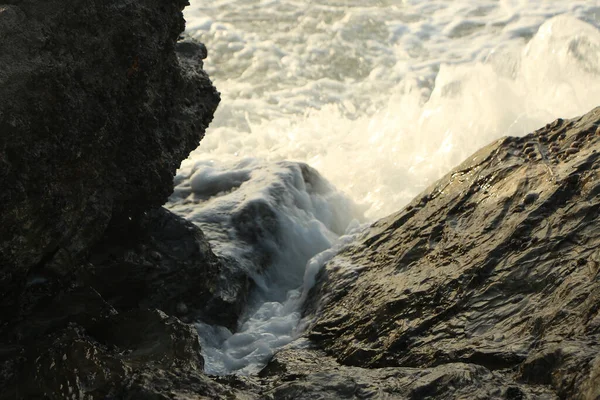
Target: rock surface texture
x: 96, y: 114
x: 99, y: 104
x: 486, y: 286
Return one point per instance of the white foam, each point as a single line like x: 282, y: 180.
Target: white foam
x: 382, y: 97
x: 385, y: 99
x: 271, y: 218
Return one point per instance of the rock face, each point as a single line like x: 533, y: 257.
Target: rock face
x: 160, y: 260
x: 143, y: 354
x: 486, y: 285
x: 311, y: 374
x: 99, y: 104
x: 96, y: 114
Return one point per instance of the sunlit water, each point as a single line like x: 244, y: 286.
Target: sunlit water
x: 382, y: 98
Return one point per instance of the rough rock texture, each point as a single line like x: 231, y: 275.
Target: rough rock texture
x: 160, y: 260
x: 493, y: 271
x: 487, y: 286
x: 96, y: 114
x: 140, y: 354
x: 310, y: 374
x: 99, y: 104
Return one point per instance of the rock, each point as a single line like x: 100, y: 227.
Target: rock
x: 151, y: 337
x: 309, y: 373
x: 96, y: 114
x: 80, y: 305
x: 124, y: 269
x: 99, y: 105
x: 168, y: 384
x: 492, y: 270
x: 139, y: 354
x: 69, y: 364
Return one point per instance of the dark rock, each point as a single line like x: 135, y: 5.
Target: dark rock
x: 70, y: 364
x: 161, y: 384
x: 80, y: 305
x: 142, y: 354
x: 160, y: 260
x: 98, y: 107
x: 493, y: 269
x: 96, y: 114
x: 151, y: 337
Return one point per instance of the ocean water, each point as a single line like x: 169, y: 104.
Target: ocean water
x: 381, y: 98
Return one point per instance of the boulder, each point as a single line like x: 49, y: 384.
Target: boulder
x: 141, y: 354
x: 160, y: 260
x: 493, y: 269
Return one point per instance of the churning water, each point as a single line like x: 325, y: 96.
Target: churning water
x: 382, y: 98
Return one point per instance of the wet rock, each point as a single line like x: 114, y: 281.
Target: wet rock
x: 491, y: 281
x: 96, y: 113
x: 161, y: 384
x: 80, y: 305
x: 69, y: 364
x: 139, y: 354
x: 309, y: 373
x: 151, y: 337
x: 124, y: 269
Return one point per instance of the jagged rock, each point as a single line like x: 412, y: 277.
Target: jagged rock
x: 176, y: 384
x: 69, y: 364
x: 311, y: 374
x: 141, y: 354
x: 96, y: 114
x: 160, y: 260
x: 99, y: 104
x: 494, y: 267
x: 151, y: 337
x: 80, y: 305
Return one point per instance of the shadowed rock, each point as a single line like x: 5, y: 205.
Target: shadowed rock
x: 139, y: 354
x: 160, y: 260
x: 96, y: 114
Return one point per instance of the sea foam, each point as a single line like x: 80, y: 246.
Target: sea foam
x: 382, y: 98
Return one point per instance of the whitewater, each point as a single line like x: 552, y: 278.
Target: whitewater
x: 335, y: 113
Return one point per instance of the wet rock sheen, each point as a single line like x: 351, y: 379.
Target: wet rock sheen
x: 485, y: 286
x: 494, y: 270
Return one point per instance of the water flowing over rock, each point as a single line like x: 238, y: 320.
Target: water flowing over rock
x: 486, y: 285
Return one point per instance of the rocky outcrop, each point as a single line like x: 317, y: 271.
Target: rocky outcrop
x: 102, y: 332
x: 96, y: 114
x: 160, y: 260
x: 486, y: 285
x: 136, y: 355
x: 311, y: 374
x: 99, y: 104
